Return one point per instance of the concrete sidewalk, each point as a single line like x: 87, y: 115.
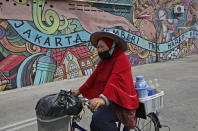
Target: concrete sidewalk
x: 178, y: 78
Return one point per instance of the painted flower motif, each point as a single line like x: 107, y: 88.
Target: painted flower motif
x: 70, y: 28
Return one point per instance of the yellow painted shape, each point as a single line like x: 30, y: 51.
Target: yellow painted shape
x: 145, y: 55
x: 2, y: 87
x: 21, y: 1
x: 131, y: 48
x: 4, y: 24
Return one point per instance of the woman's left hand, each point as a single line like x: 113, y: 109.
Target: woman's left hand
x: 95, y: 103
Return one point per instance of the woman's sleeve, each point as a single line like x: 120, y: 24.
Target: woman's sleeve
x: 120, y: 88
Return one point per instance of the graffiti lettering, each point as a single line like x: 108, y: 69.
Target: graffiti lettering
x: 17, y: 26
x: 162, y: 47
x: 115, y: 32
x: 58, y: 41
x: 27, y: 32
x: 133, y: 40
x: 37, y: 38
x: 176, y: 41
x: 158, y: 47
x: 128, y: 37
x: 138, y: 40
x: 152, y: 46
x: 183, y: 37
x: 179, y: 40
x: 68, y: 39
x: 122, y: 35
x: 78, y: 39
x: 169, y: 45
x: 193, y: 34
x: 53, y: 41
x: 48, y: 41
x: 173, y: 43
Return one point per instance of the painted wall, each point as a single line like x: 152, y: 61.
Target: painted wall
x: 44, y: 41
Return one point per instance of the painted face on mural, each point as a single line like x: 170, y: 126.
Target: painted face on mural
x: 147, y: 29
x: 162, y: 15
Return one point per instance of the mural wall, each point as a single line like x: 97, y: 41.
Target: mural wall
x: 44, y: 41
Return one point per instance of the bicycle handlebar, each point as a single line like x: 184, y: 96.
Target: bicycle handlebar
x: 85, y: 101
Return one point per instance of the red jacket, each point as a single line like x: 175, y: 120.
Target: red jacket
x: 112, y: 78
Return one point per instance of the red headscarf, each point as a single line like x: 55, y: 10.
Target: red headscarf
x: 108, y: 41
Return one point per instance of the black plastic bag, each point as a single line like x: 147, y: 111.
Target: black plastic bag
x: 57, y: 105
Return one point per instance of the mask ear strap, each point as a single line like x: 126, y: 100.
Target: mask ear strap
x: 112, y: 48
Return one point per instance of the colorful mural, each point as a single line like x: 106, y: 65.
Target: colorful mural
x: 44, y: 41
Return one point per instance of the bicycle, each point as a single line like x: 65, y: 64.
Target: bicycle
x: 147, y: 119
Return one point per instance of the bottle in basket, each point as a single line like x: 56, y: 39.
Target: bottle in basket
x: 140, y: 86
x: 157, y: 86
x: 150, y: 83
x: 151, y: 88
x: 140, y: 82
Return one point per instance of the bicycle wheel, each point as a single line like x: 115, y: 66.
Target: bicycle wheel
x: 151, y: 123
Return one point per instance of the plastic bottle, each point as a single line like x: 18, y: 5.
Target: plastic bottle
x: 140, y: 82
x: 150, y: 83
x: 151, y: 88
x: 140, y: 86
x: 157, y: 86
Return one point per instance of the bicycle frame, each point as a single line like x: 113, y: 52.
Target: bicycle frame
x: 75, y: 125
x: 142, y: 114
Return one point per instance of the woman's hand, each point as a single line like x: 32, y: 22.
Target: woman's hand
x: 76, y: 92
x: 96, y: 103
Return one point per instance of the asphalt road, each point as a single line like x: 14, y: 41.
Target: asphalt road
x: 178, y: 78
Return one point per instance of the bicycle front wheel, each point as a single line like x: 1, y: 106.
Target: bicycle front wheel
x: 151, y: 123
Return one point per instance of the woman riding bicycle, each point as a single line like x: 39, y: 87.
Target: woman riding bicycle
x: 110, y: 88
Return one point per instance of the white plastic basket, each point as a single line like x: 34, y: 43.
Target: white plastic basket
x: 153, y: 103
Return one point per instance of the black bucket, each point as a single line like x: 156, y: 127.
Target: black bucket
x: 56, y: 124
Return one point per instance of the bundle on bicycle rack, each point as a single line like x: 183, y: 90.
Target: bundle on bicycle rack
x: 153, y: 103
x: 54, y: 111
x: 149, y: 94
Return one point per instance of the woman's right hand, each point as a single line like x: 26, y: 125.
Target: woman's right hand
x: 76, y: 92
